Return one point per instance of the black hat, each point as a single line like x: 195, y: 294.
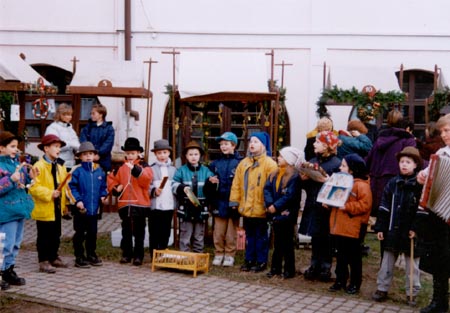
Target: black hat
x: 132, y: 144
x: 86, y: 147
x: 161, y: 144
x: 193, y: 145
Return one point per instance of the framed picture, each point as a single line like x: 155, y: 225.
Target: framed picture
x: 336, y: 189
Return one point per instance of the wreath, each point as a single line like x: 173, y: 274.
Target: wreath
x: 40, y: 108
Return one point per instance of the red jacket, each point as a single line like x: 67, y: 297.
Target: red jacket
x: 347, y: 222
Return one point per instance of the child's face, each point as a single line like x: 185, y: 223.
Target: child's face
x: 52, y: 151
x: 11, y: 148
x: 319, y: 147
x: 227, y: 147
x: 407, y: 165
x: 344, y: 167
x: 132, y: 155
x: 445, y: 134
x: 162, y: 155
x: 87, y: 156
x: 66, y: 117
x: 281, y: 161
x: 256, y: 147
x: 193, y: 156
x: 95, y: 116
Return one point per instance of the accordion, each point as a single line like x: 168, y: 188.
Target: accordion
x: 436, y: 190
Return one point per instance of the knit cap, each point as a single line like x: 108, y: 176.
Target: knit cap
x: 357, y: 165
x: 293, y: 156
x: 328, y: 138
x: 265, y: 139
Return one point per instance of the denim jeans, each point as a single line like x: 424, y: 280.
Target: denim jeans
x: 14, y: 235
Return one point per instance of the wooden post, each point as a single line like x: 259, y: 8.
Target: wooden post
x: 74, y: 65
x: 324, y: 81
x: 271, y: 89
x: 282, y: 71
x: 148, y: 125
x: 277, y: 107
x: 401, y: 77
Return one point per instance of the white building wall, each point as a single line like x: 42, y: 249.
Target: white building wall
x: 306, y: 33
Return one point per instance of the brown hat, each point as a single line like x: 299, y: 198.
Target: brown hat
x: 193, y: 145
x: 357, y: 125
x: 6, y: 137
x: 47, y: 140
x: 413, y: 153
x: 86, y: 147
x: 161, y: 144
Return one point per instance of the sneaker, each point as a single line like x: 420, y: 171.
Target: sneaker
x: 58, y: 263
x: 217, y: 261
x: 228, y: 261
x: 379, y: 296
x: 352, y: 289
x: 125, y: 259
x: 81, y: 263
x: 94, y: 261
x: 46, y: 267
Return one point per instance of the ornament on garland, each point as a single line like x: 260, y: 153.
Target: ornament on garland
x: 41, y: 106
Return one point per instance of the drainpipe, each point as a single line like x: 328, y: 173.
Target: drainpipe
x: 127, y: 17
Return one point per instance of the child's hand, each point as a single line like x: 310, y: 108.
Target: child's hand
x: 271, y: 209
x: 186, y: 189
x: 380, y: 236
x: 104, y: 200
x: 15, y: 177
x: 158, y: 192
x: 129, y: 164
x: 304, y: 176
x: 80, y: 205
x: 214, y: 179
x: 56, y: 194
x: 325, y: 206
x: 34, y: 172
x: 119, y: 188
x: 412, y: 234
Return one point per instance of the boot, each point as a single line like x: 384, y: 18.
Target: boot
x: 10, y: 276
x: 4, y: 285
x: 439, y: 302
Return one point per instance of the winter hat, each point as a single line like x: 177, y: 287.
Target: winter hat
x: 265, y: 139
x: 47, y: 140
x: 193, y: 145
x: 328, y: 138
x: 132, y: 144
x: 357, y: 125
x: 161, y: 144
x: 413, y: 153
x: 86, y: 147
x: 229, y: 136
x: 6, y: 137
x: 357, y: 165
x: 293, y: 156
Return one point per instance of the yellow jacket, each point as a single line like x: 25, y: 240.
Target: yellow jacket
x: 41, y: 191
x: 247, y: 190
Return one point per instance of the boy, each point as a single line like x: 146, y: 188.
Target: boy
x: 49, y: 195
x: 395, y: 224
x: 130, y: 184
x: 192, y: 176
x: 87, y: 189
x: 226, y: 220
x: 436, y: 233
x: 101, y: 134
x: 16, y: 206
x: 163, y: 204
x: 247, y: 195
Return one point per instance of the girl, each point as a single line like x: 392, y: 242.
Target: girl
x: 346, y: 223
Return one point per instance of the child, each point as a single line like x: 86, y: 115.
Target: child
x: 101, y: 134
x: 192, y: 176
x: 16, y: 206
x: 163, y: 204
x: 226, y: 220
x: 315, y: 220
x: 282, y: 196
x: 346, y: 223
x: 436, y: 233
x: 131, y: 184
x: 395, y: 224
x: 247, y: 195
x: 354, y: 140
x: 49, y: 203
x: 87, y: 189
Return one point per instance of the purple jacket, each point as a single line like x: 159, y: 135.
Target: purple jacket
x: 381, y: 159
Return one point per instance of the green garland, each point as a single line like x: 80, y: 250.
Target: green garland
x: 440, y: 98
x: 368, y: 108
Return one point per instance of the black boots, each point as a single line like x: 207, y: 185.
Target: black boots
x: 4, y: 285
x: 10, y: 276
x: 439, y: 303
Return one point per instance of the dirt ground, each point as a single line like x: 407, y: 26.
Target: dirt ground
x: 10, y: 304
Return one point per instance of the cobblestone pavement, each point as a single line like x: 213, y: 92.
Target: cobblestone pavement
x: 125, y: 288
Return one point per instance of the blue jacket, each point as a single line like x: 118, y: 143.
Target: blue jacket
x: 285, y: 200
x: 219, y: 198
x: 360, y: 145
x: 102, y: 137
x: 88, y: 184
x: 15, y: 203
